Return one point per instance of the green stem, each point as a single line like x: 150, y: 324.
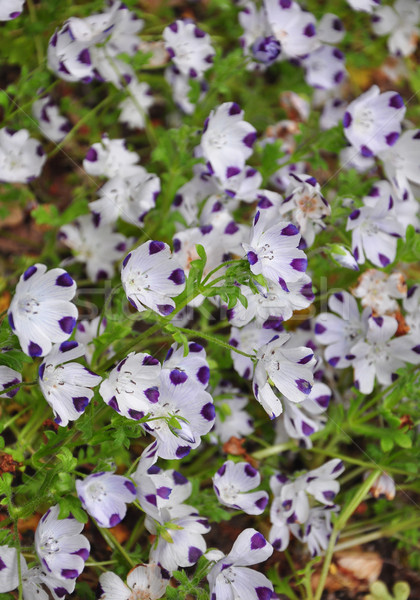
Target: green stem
x: 135, y: 534
x: 215, y: 340
x: 380, y: 533
x: 37, y: 40
x: 115, y: 545
x: 81, y: 122
x: 224, y: 264
x: 356, y: 461
x: 344, y: 516
x: 274, y: 450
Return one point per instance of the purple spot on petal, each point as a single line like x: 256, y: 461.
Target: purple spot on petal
x: 177, y: 276
x: 257, y: 541
x: 303, y: 385
x: 384, y: 260
x: 252, y: 257
x: 114, y: 520
x: 391, y: 138
x: 114, y: 404
x: 299, y: 264
x: 194, y: 554
x: 234, y: 109
x: 250, y: 471
x: 152, y: 394
x: 182, y: 451
x: 64, y: 280
x: 177, y: 377
x: 29, y: 272
x: 80, y: 403
x: 203, y: 375
x: 208, y: 411
x: 396, y: 101
x: 34, y: 349
x: 165, y: 309
x: 69, y: 573
x: 67, y: 324
x: 309, y: 30
x: 135, y: 414
x: 155, y: 247
x: 250, y: 138
x: 11, y: 321
x: 92, y: 155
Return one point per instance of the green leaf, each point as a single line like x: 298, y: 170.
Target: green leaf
x: 387, y: 444
x: 14, y: 359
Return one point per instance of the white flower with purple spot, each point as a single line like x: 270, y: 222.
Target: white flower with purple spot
x: 324, y: 68
x: 317, y: 529
x: 152, y: 277
x: 332, y: 114
x: 41, y: 312
x: 194, y: 365
x: 272, y: 306
x: 132, y: 386
x: 233, y: 484
x: 301, y: 420
x: 108, y: 158
x: 9, y: 378
x: 189, y: 47
x: 130, y: 198
x: 11, y: 9
x: 37, y: 577
x: 340, y: 331
x: 293, y: 28
x: 60, y: 546
x: 231, y: 576
x: 66, y: 386
x: 86, y: 332
x: 289, y: 368
x: 411, y: 305
x: 257, y: 39
x: 181, y: 87
x: 401, y: 22
x: 308, y: 206
x: 96, y: 244
x: 144, y: 581
x: 402, y: 163
x: 52, y: 125
x: 273, y: 250
x: 293, y: 504
x: 9, y: 572
x: 135, y: 107
x: 182, y: 542
x: 231, y: 418
x: 330, y: 29
x: 182, y: 414
x: 342, y: 256
x: 227, y: 140
x: 379, y: 356
x: 21, y: 157
x: 105, y: 496
x: 248, y: 339
x: 364, y: 5
x: 372, y: 122
x: 375, y: 230
x: 86, y: 49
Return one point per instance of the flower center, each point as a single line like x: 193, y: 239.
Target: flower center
x: 28, y: 306
x: 50, y: 545
x: 96, y: 491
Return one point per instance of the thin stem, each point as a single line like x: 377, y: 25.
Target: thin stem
x: 345, y: 515
x: 115, y: 545
x: 214, y: 339
x: 81, y: 122
x: 37, y: 40
x: 380, y: 533
x: 274, y: 450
